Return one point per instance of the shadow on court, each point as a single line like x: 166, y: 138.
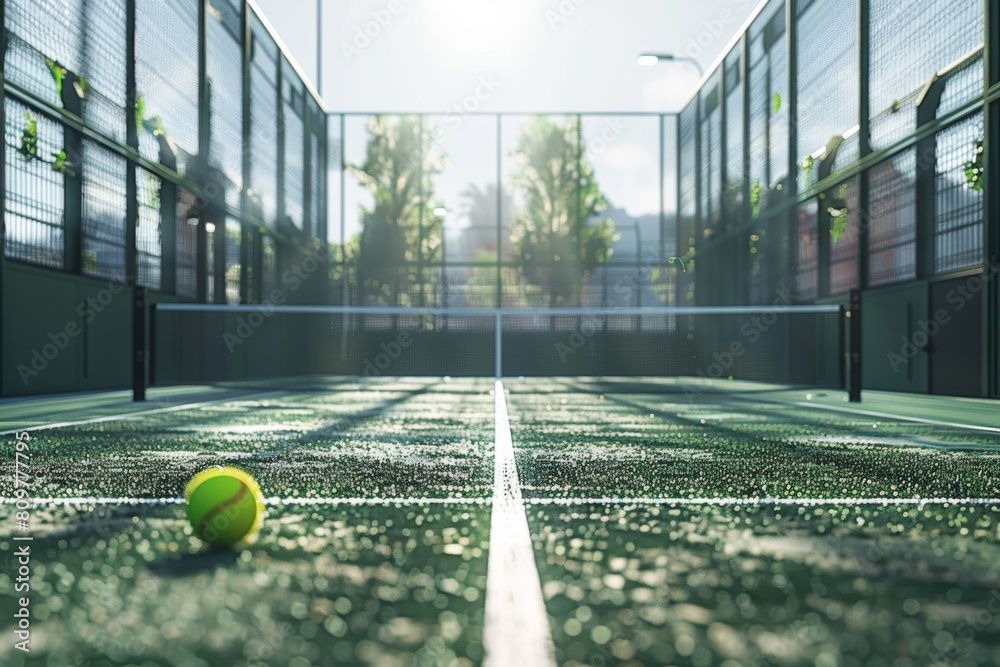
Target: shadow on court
x: 183, y: 565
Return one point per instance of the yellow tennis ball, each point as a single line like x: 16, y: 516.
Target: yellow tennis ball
x: 224, y: 505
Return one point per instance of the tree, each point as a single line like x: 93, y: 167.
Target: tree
x: 558, y: 235
x: 480, y: 205
x: 398, y: 233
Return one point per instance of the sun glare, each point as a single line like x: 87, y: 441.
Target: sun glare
x: 479, y: 33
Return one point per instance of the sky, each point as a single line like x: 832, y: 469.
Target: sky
x: 506, y: 55
x: 445, y: 57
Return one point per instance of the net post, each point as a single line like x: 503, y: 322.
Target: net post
x: 151, y: 356
x: 139, y: 344
x: 842, y: 347
x: 855, y: 328
x: 498, y: 344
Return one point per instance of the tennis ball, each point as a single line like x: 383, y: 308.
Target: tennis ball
x: 224, y: 505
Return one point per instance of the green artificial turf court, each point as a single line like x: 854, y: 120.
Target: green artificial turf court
x: 668, y: 523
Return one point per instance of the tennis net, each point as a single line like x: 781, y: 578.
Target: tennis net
x: 202, y: 343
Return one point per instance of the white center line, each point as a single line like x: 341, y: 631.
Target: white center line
x: 516, y: 632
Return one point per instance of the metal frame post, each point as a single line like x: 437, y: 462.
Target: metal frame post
x: 3, y: 186
x: 661, y: 251
x: 345, y: 278
x: 73, y: 186
x: 864, y: 137
x: 855, y: 346
x: 698, y: 222
x: 498, y: 345
x: 139, y: 344
x: 246, y: 229
x: 792, y: 181
x: 319, y: 47
x: 926, y: 177
x: 745, y: 209
x: 499, y: 298
x: 309, y: 216
x: 991, y: 296
x: 724, y: 255
x: 279, y: 208
x: 679, y: 223
x: 132, y: 133
x: 204, y: 146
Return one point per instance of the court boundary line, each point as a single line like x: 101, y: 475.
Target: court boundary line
x: 765, y: 502
x: 141, y: 413
x: 882, y: 415
x: 516, y: 625
x: 707, y: 501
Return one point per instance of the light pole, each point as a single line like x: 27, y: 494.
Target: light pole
x: 652, y: 59
x: 319, y: 47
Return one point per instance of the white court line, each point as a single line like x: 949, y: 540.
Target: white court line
x: 606, y: 500
x: 272, y: 502
x: 516, y: 632
x: 140, y: 413
x: 886, y: 415
x: 760, y: 502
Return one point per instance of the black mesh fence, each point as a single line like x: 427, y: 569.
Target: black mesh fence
x: 103, y: 214
x: 124, y: 143
x: 914, y: 209
x: 35, y: 199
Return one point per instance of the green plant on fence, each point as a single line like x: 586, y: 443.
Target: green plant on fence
x: 58, y: 73
x: 61, y: 164
x: 838, y: 220
x: 896, y: 106
x: 29, y: 137
x: 755, y: 199
x: 149, y: 190
x: 29, y: 147
x: 685, y: 261
x: 89, y: 262
x: 663, y: 288
x: 975, y: 167
x: 807, y: 168
x: 152, y: 125
x: 776, y: 102
x: 140, y: 110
